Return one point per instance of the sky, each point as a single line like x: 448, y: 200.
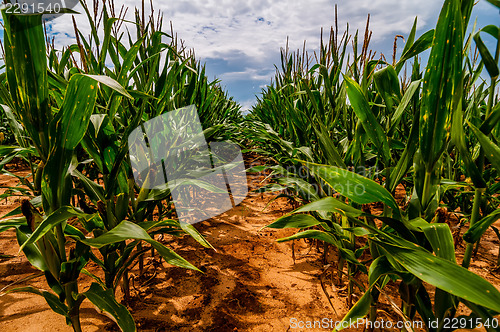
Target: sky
x: 240, y: 41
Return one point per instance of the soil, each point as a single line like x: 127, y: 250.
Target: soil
x: 249, y: 282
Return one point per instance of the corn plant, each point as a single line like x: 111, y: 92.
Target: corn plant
x: 79, y: 145
x: 413, y: 246
x: 54, y: 137
x: 306, y: 116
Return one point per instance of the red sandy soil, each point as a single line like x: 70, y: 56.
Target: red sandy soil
x: 250, y: 282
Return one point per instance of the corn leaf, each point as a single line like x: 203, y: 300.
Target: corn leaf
x: 26, y: 68
x: 128, y: 230
x: 330, y: 204
x: 295, y: 221
x: 368, y: 120
x: 106, y: 302
x: 477, y: 230
x: 55, y: 218
x: 444, y: 274
x: 489, y: 62
x: 441, y: 89
x: 31, y: 251
x: 422, y: 44
x: 356, y: 187
x: 492, y: 151
x: 458, y: 137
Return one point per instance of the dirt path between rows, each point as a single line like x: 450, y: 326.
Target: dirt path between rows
x: 250, y: 282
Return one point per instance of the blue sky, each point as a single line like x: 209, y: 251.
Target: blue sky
x: 240, y: 41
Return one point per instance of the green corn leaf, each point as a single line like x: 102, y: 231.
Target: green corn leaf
x: 423, y: 43
x: 92, y: 189
x: 171, y: 257
x: 356, y: 187
x: 26, y: 68
x: 14, y: 222
x: 26, y: 289
x: 423, y: 305
x: 303, y: 188
x: 387, y: 83
x: 127, y: 230
x: 193, y: 232
x: 444, y: 274
x: 411, y: 37
x: 441, y: 91
x: 73, y: 117
x: 106, y: 42
x: 491, y: 121
x: 489, y: 62
x: 16, y: 127
x: 477, y: 230
x: 31, y: 251
x: 106, y: 302
x: 57, y: 217
x: 440, y: 237
x: 148, y: 225
x: 368, y: 119
x: 458, y: 137
x: 405, y: 101
x: 295, y: 221
x: 407, y: 158
x: 328, y: 238
x: 56, y: 305
x: 328, y: 146
x: 378, y: 269
x: 330, y: 204
x: 492, y: 151
x: 358, y: 311
x: 111, y: 83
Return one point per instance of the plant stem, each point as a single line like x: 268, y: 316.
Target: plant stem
x: 426, y: 193
x: 479, y: 191
x: 478, y: 195
x: 73, y: 306
x: 61, y: 241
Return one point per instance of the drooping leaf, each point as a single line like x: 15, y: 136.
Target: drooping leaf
x: 127, y: 230
x: 444, y: 274
x: 295, y: 221
x: 489, y: 61
x: 474, y: 233
x: 356, y: 187
x: 491, y: 150
x: 57, y: 217
x: 106, y: 302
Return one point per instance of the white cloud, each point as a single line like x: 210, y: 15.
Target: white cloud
x: 252, y: 74
x: 247, y: 35
x: 258, y: 29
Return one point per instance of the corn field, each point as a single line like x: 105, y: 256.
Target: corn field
x: 371, y: 153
